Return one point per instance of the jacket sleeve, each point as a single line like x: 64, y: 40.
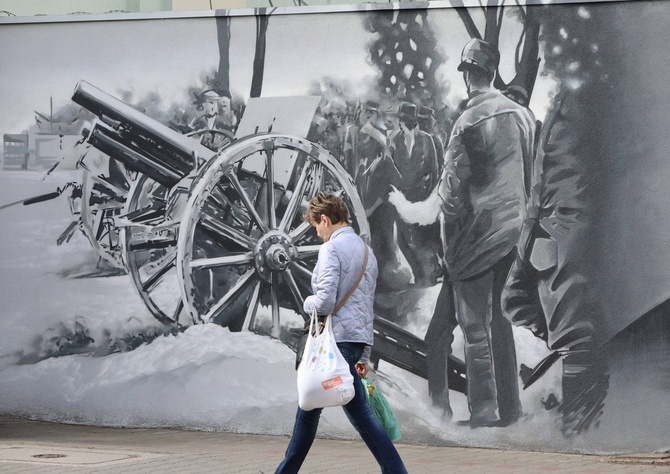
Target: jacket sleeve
x: 456, y: 174
x: 365, y: 357
x: 328, y: 278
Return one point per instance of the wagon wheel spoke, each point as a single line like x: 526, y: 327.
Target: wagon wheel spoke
x: 240, y: 285
x: 178, y: 310
x: 315, y: 179
x: 300, y: 231
x: 300, y: 270
x: 233, y: 259
x: 221, y: 200
x: 274, y: 295
x: 153, y: 213
x: 296, y: 199
x: 306, y: 251
x: 295, y: 292
x: 252, y: 306
x: 268, y: 147
x: 246, y: 200
x: 161, y: 242
x: 164, y: 267
x: 225, y: 231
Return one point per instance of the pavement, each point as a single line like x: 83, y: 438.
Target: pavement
x: 28, y: 447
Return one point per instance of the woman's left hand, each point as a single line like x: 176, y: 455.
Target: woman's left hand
x: 362, y: 369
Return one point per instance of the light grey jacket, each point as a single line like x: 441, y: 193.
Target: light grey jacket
x: 337, y: 269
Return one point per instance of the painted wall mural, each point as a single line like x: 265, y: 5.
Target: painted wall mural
x: 507, y: 164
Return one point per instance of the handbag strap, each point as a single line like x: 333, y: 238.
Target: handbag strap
x: 360, y: 277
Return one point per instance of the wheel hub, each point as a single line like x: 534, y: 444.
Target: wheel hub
x: 273, y: 253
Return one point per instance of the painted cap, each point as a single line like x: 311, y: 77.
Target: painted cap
x: 407, y: 110
x: 371, y: 105
x: 210, y: 95
x: 425, y: 112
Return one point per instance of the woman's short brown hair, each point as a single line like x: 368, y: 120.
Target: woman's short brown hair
x: 329, y: 204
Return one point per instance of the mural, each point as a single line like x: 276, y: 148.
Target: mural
x: 506, y: 164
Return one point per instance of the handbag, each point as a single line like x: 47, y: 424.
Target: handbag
x: 381, y: 408
x: 324, y: 378
x: 303, y: 333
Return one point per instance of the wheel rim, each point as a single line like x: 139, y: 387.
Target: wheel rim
x: 245, y: 256
x: 150, y: 251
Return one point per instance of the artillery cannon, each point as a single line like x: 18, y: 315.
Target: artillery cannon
x: 218, y: 236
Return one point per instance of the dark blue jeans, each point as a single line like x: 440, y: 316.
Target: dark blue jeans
x: 360, y: 415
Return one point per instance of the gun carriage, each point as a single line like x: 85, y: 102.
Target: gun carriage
x: 218, y: 236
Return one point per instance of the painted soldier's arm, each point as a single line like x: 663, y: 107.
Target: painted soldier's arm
x: 423, y: 212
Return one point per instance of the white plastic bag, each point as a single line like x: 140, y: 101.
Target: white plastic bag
x: 324, y: 379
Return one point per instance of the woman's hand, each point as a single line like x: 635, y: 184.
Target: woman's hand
x: 362, y: 369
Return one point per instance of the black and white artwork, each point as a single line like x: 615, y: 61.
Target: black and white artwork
x: 507, y: 163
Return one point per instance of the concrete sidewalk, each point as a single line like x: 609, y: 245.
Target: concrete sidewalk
x: 38, y: 447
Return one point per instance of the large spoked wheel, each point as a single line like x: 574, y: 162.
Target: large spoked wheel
x: 149, y: 241
x: 149, y: 238
x: 103, y: 199
x: 245, y: 255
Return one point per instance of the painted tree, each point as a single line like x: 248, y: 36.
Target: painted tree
x: 222, y: 78
x: 406, y: 56
x: 221, y: 82
x: 527, y: 51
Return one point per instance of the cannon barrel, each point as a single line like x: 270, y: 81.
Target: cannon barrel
x: 143, y: 144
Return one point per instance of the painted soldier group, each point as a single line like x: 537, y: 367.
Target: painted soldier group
x: 479, y: 188
x: 464, y: 211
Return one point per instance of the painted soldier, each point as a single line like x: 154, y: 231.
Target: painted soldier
x: 546, y: 291
x: 414, y: 155
x: 483, y: 194
x: 216, y: 124
x: 364, y: 141
x: 482, y: 197
x: 426, y: 118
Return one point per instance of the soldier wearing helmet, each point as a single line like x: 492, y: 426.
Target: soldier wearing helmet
x: 482, y: 197
x: 478, y: 54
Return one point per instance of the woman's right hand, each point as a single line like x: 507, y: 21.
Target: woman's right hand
x: 362, y: 369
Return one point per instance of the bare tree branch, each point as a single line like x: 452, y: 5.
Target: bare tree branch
x: 463, y: 12
x: 529, y: 61
x: 492, y: 29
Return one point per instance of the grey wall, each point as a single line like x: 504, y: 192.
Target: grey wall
x: 99, y: 302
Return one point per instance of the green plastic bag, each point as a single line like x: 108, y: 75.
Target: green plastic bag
x: 382, y: 409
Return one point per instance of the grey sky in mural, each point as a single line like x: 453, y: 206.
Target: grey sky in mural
x: 529, y: 326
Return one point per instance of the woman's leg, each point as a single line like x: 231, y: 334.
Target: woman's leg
x: 304, y: 432
x: 362, y: 417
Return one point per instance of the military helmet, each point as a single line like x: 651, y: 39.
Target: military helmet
x: 480, y: 54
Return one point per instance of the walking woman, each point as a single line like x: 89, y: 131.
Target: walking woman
x: 337, y: 269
